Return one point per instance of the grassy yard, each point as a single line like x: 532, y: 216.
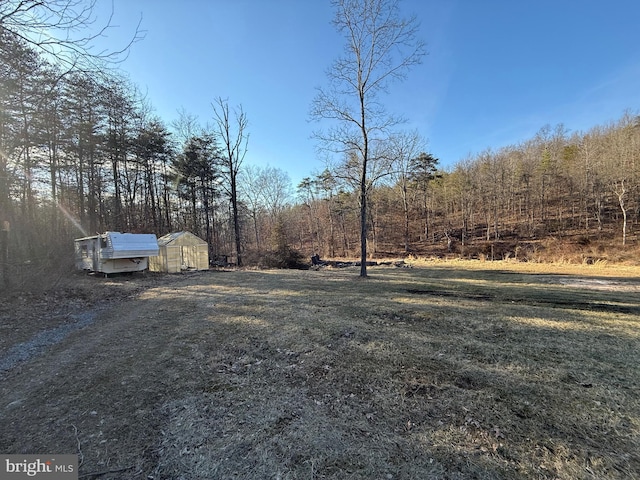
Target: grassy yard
x: 437, y: 372
x: 445, y: 370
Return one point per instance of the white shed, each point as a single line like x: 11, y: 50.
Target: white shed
x: 180, y: 251
x: 114, y: 252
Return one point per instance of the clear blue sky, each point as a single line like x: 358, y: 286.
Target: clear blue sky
x: 496, y: 72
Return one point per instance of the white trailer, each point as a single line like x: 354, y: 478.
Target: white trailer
x: 114, y: 252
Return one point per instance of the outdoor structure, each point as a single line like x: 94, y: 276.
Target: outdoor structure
x: 180, y: 251
x: 114, y: 252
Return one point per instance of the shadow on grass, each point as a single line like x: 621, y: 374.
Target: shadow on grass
x: 540, y: 298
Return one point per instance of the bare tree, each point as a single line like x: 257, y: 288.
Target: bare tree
x: 251, y: 191
x: 276, y: 190
x: 265, y: 190
x: 63, y: 31
x: 620, y: 190
x: 405, y: 149
x: 186, y: 126
x: 234, y: 138
x: 380, y: 47
x: 623, y: 146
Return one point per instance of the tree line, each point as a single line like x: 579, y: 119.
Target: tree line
x: 82, y: 156
x: 81, y: 153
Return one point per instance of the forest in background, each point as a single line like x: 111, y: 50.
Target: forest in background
x: 577, y: 189
x: 82, y: 153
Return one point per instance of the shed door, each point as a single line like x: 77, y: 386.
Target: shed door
x: 187, y: 256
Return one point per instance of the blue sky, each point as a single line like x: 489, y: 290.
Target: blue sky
x: 495, y: 73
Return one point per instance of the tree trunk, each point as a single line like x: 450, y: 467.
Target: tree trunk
x: 4, y: 254
x: 236, y: 220
x: 332, y: 248
x: 363, y: 220
x: 620, y: 191
x: 363, y: 185
x: 405, y: 207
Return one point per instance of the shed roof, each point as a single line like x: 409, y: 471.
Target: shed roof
x: 180, y: 237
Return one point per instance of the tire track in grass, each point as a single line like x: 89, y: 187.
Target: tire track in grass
x: 40, y: 342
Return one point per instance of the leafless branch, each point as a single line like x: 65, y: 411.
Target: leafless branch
x: 63, y: 32
x: 380, y: 46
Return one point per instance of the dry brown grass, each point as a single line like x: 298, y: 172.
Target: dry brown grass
x: 446, y: 370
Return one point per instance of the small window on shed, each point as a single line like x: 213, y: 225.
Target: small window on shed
x: 85, y: 251
x: 103, y: 242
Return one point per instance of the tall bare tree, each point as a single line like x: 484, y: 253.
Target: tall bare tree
x: 380, y: 47
x: 232, y: 133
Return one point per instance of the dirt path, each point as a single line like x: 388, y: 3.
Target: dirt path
x: 98, y: 383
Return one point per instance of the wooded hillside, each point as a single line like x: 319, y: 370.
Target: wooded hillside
x: 578, y: 189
